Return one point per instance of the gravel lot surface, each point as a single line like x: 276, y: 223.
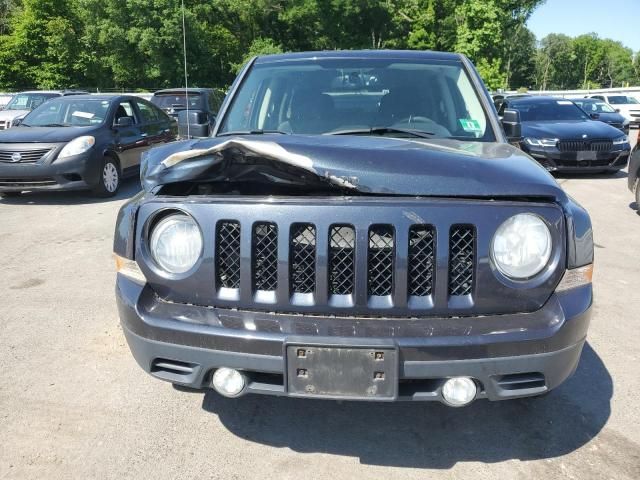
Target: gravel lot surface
x: 73, y: 403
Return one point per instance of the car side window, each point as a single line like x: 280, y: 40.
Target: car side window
x: 160, y: 115
x: 147, y: 113
x: 125, y: 109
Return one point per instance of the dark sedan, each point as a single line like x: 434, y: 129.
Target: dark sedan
x: 561, y: 137
x: 601, y: 110
x: 84, y: 142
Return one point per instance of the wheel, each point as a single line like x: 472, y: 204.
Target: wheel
x: 109, y: 180
x: 638, y: 196
x: 10, y: 194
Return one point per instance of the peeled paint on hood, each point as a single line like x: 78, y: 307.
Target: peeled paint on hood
x: 189, y: 161
x: 367, y: 165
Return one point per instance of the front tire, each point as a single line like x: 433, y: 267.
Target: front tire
x: 110, y: 178
x: 638, y: 196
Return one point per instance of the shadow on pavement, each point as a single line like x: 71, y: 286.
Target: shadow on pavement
x: 429, y: 435
x: 128, y: 189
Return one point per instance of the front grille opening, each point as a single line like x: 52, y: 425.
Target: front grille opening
x: 342, y: 243
x: 412, y: 386
x: 421, y: 260
x: 228, y: 254
x: 264, y: 378
x: 172, y: 367
x: 522, y: 381
x: 461, y: 259
x: 265, y: 256
x: 303, y: 258
x: 380, y: 260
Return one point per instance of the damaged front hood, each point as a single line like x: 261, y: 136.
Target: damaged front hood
x: 360, y: 164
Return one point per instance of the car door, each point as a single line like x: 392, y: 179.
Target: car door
x: 129, y: 139
x: 155, y: 123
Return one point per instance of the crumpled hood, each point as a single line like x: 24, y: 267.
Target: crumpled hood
x: 11, y: 114
x: 363, y: 164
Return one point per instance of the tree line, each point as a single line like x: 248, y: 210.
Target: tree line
x: 137, y: 44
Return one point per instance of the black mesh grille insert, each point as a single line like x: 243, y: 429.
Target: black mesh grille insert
x: 342, y: 241
x: 303, y: 258
x: 461, y: 259
x: 228, y: 254
x: 421, y: 260
x: 380, y: 260
x: 265, y: 256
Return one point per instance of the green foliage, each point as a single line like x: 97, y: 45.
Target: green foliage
x: 132, y: 44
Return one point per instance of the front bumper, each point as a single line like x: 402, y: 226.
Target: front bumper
x: 556, y: 161
x: 79, y: 172
x: 510, y: 356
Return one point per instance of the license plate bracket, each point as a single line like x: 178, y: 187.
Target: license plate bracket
x: 342, y: 372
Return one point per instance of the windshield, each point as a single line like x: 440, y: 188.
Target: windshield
x: 346, y: 96
x: 68, y: 112
x: 548, y: 110
x: 621, y: 100
x: 176, y: 101
x: 28, y: 101
x: 594, y: 107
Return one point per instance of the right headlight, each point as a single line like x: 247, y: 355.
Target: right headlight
x: 521, y: 246
x: 176, y: 243
x: 541, y: 142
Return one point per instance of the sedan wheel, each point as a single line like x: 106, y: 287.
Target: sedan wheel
x: 109, y: 179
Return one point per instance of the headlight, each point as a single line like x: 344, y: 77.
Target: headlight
x: 77, y: 146
x: 521, y: 246
x: 176, y: 243
x: 621, y: 140
x: 541, y: 142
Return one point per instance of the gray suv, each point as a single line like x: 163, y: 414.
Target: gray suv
x: 358, y: 227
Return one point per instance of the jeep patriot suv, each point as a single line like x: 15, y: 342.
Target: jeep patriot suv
x: 358, y: 226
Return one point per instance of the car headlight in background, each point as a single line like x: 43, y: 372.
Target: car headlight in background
x: 541, y: 142
x: 77, y: 146
x: 621, y: 141
x: 176, y: 243
x: 521, y: 246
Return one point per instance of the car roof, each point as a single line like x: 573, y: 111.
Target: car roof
x: 534, y: 99
x: 168, y: 91
x: 380, y: 54
x: 103, y: 97
x: 60, y: 92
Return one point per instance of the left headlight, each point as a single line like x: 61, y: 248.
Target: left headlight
x: 176, y: 243
x: 621, y: 140
x: 521, y: 246
x: 77, y: 146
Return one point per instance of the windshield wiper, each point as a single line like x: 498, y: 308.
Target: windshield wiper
x: 53, y: 125
x: 382, y: 131
x: 251, y: 132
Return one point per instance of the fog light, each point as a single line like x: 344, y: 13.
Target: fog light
x: 228, y: 382
x: 459, y: 391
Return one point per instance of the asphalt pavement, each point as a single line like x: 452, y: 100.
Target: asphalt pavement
x: 74, y: 404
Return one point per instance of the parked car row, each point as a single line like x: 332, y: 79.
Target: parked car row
x: 70, y: 140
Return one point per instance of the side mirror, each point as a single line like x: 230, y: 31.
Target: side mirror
x: 512, y: 126
x: 16, y: 122
x: 617, y: 110
x: 594, y: 116
x: 124, y: 122
x: 192, y: 125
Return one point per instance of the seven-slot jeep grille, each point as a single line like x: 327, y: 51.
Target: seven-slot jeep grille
x: 339, y: 253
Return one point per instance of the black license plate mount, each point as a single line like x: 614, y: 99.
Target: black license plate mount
x: 342, y: 372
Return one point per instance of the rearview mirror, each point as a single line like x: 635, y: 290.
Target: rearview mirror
x: 124, y: 122
x: 512, y: 126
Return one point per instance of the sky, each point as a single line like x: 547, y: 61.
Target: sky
x: 615, y: 19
